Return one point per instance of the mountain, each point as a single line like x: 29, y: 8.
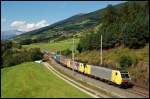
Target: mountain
x: 66, y: 27
x: 5, y: 35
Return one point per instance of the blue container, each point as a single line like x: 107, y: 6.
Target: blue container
x: 57, y: 57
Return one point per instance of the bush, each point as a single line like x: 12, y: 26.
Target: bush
x: 125, y: 61
x: 79, y: 48
x: 35, y: 54
x: 67, y: 52
x: 26, y: 41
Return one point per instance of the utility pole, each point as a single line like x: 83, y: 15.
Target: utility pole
x: 101, y: 50
x: 60, y: 55
x: 73, y: 55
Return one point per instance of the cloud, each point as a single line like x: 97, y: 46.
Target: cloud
x: 18, y: 24
x: 25, y: 27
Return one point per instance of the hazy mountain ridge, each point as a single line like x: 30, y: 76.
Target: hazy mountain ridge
x: 5, y: 35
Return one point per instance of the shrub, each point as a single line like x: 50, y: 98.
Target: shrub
x: 79, y: 48
x: 26, y: 41
x: 35, y: 54
x: 67, y: 52
x: 125, y: 61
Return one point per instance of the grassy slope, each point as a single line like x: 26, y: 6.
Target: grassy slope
x: 60, y: 45
x: 34, y: 80
x: 112, y: 56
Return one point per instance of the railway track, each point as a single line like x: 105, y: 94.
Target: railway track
x: 139, y: 91
x: 76, y: 84
x: 126, y: 93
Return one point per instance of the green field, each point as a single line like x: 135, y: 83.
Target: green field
x: 54, y: 46
x: 31, y: 79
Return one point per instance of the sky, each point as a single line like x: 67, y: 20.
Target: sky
x: 29, y: 15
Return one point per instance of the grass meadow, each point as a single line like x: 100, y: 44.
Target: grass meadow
x: 54, y: 46
x: 33, y: 80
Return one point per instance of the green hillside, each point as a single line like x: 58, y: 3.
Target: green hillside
x: 54, y: 46
x: 65, y: 28
x: 68, y: 27
x: 33, y: 80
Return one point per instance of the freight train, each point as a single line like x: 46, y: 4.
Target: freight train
x: 117, y: 77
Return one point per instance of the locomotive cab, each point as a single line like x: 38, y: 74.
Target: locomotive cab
x: 121, y: 78
x: 126, y: 80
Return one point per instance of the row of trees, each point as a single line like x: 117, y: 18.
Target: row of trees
x: 13, y: 54
x: 126, y: 25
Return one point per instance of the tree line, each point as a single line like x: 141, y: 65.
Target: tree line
x: 12, y: 53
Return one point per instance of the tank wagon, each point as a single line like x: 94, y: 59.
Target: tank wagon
x: 118, y: 77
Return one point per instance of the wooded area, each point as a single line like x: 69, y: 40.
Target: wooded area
x: 127, y: 25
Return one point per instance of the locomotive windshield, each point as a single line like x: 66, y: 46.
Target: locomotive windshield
x: 125, y: 75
